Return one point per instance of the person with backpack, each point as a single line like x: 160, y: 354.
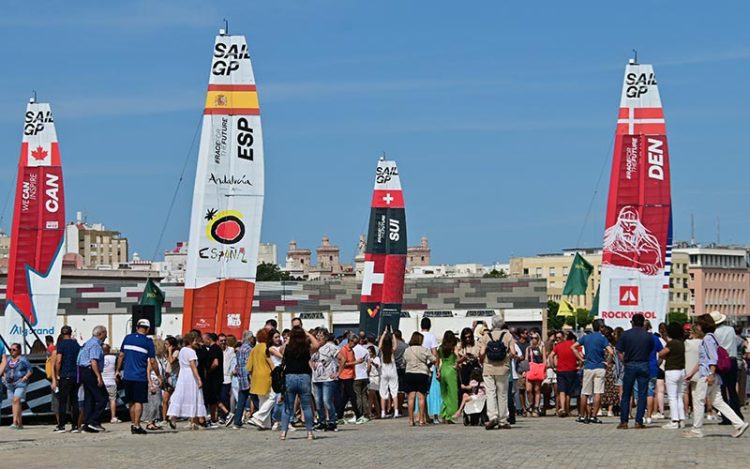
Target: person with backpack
x: 496, y: 350
x: 713, y: 360
x: 727, y: 338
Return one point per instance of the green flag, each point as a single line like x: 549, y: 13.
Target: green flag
x: 595, y: 305
x: 578, y: 278
x: 153, y: 295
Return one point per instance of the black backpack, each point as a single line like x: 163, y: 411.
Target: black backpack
x: 496, y: 350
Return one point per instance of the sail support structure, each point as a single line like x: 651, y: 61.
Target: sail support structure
x: 636, y: 256
x: 227, y: 198
x: 385, y: 253
x: 38, y: 231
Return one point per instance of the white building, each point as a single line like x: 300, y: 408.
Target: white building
x: 267, y: 254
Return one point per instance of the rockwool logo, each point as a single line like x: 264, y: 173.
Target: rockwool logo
x: 628, y: 295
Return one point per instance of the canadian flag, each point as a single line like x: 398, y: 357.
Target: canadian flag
x: 629, y: 295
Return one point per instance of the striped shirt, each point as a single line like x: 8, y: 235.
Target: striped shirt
x: 243, y: 376
x: 137, y: 349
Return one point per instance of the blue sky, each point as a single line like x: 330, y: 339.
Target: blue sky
x: 500, y: 114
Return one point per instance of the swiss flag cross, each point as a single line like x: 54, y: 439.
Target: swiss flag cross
x: 629, y: 295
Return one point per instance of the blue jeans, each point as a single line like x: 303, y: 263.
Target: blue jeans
x: 298, y: 385
x: 634, y: 372
x: 324, y: 399
x: 239, y: 411
x: 278, y: 409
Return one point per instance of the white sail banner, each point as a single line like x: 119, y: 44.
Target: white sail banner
x: 227, y: 198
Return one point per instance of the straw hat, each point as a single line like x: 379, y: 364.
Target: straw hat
x: 718, y: 317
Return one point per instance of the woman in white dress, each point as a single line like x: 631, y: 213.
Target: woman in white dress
x: 187, y: 400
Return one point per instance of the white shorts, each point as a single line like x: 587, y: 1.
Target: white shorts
x: 388, y: 381
x: 593, y: 381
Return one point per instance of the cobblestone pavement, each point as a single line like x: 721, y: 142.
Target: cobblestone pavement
x: 542, y: 442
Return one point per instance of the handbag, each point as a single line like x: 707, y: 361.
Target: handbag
x: 537, y: 372
x: 278, y: 378
x: 723, y: 361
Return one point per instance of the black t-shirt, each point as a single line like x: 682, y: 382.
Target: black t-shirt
x: 675, y: 359
x: 215, y: 353
x: 202, y: 354
x: 297, y: 365
x: 636, y: 345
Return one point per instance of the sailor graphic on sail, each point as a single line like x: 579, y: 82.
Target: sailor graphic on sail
x: 632, y: 244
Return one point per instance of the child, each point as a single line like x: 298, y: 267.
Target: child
x: 474, y: 389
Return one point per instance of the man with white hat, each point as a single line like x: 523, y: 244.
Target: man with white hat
x: 136, y: 362
x: 728, y: 340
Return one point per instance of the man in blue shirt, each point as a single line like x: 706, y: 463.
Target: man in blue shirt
x: 66, y: 379
x: 91, y: 364
x: 634, y: 347
x: 594, y: 370
x: 134, y: 364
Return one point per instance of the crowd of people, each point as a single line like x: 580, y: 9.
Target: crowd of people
x: 488, y: 374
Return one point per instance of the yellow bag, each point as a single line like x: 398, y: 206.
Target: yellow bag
x: 49, y: 367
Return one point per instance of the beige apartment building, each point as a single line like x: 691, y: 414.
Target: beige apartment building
x: 679, y: 283
x: 719, y: 280
x: 99, y: 247
x: 555, y: 268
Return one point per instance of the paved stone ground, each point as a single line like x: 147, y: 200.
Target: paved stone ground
x: 540, y: 442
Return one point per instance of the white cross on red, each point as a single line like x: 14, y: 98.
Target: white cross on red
x: 370, y: 278
x: 388, y: 198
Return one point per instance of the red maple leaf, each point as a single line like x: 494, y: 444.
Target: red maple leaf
x: 39, y: 153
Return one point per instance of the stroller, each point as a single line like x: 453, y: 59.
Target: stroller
x: 475, y: 411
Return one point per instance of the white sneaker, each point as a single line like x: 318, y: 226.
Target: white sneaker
x: 658, y: 416
x: 396, y: 415
x: 352, y: 420
x: 710, y: 417
x: 275, y: 426
x: 648, y: 420
x: 671, y: 426
x: 610, y: 414
x: 382, y: 415
x: 693, y: 434
x: 115, y: 420
x: 740, y: 430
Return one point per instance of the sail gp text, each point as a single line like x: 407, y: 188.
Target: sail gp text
x: 230, y: 254
x: 626, y: 314
x: 638, y: 84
